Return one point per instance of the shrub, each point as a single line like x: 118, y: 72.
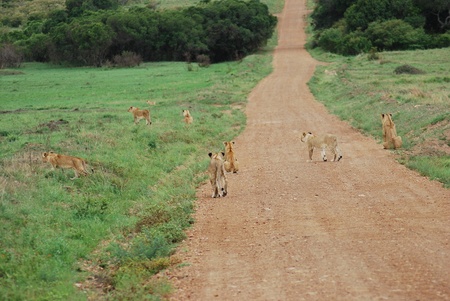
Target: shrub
x: 407, y: 69
x: 373, y: 54
x: 36, y: 47
x: 331, y: 40
x: 127, y: 59
x: 203, y: 60
x: 354, y: 43
x: 441, y: 41
x: 10, y: 56
x: 395, y: 35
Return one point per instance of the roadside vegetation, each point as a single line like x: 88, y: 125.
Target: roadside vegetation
x: 412, y: 85
x: 352, y: 27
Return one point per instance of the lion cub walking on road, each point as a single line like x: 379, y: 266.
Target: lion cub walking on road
x: 188, y: 119
x: 231, y: 163
x: 57, y: 160
x: 217, y: 175
x: 390, y: 138
x: 323, y: 142
x: 140, y: 114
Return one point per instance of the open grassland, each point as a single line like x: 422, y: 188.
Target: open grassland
x: 126, y: 216
x: 358, y: 89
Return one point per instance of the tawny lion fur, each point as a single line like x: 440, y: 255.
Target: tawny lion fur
x: 62, y: 161
x: 323, y: 142
x: 390, y: 138
x: 217, y: 177
x: 231, y: 163
x: 140, y: 114
x: 188, y: 119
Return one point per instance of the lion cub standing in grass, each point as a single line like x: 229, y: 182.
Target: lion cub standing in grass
x: 140, y: 114
x: 188, y: 119
x: 390, y: 138
x: 217, y: 175
x: 323, y: 142
x: 57, y: 160
x: 231, y: 163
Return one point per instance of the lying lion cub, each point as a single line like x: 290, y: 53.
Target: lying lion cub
x: 231, y: 163
x: 390, y: 138
x: 217, y: 175
x: 56, y: 160
x: 323, y: 142
x: 188, y: 119
x: 140, y: 114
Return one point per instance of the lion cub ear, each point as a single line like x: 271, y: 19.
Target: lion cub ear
x: 233, y: 142
x: 225, y: 143
x: 223, y: 154
x: 210, y: 154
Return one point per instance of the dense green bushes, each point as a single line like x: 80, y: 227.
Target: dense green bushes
x: 351, y: 27
x: 93, y: 32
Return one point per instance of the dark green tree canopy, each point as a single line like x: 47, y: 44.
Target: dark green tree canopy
x: 90, y: 32
x: 354, y: 26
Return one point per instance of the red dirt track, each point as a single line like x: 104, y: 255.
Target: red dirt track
x: 364, y: 228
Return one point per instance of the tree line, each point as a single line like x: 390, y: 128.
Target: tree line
x: 350, y: 27
x: 92, y: 32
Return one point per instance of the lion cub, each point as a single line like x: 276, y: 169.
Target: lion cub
x: 217, y: 177
x: 390, y: 138
x: 188, y: 119
x: 140, y: 114
x: 323, y: 142
x: 57, y: 160
x: 231, y: 163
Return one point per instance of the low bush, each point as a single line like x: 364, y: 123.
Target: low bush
x: 127, y: 59
x: 10, y: 56
x: 407, y: 69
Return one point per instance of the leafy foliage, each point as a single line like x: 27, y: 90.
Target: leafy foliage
x: 351, y: 27
x: 94, y: 31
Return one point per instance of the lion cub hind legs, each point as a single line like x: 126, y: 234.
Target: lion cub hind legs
x: 324, y: 154
x: 337, y: 155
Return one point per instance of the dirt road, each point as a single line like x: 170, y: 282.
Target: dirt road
x: 364, y: 228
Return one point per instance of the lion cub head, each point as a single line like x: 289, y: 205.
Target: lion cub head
x: 188, y: 119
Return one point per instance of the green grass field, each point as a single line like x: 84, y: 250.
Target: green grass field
x: 127, y: 215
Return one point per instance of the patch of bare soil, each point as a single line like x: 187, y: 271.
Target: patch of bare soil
x: 364, y: 228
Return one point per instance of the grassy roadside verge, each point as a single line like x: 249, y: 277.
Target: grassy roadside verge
x: 358, y: 89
